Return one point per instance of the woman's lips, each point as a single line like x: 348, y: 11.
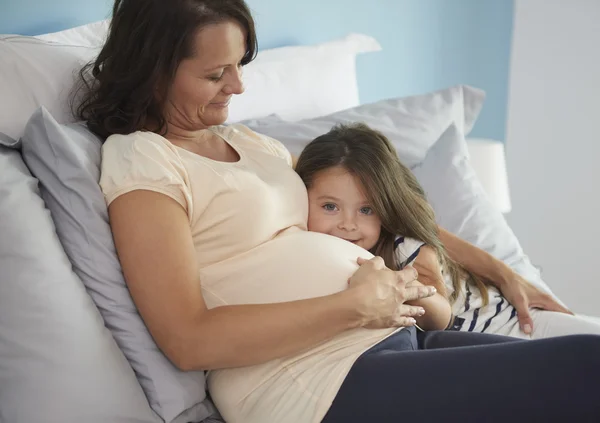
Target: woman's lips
x: 222, y: 104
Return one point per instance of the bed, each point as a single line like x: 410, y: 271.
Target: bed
x: 72, y: 346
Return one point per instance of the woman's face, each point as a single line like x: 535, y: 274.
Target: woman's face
x: 338, y: 206
x: 204, y: 83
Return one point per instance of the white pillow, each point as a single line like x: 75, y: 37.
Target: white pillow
x: 36, y: 73
x: 90, y: 35
x: 463, y: 207
x: 302, y: 82
x: 413, y: 124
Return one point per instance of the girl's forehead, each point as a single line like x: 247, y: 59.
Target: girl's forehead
x: 336, y: 175
x: 338, y: 182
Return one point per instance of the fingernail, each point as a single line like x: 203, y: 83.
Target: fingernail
x: 433, y: 290
x: 527, y: 329
x: 421, y: 311
x: 412, y: 321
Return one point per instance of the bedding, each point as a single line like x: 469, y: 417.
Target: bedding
x: 34, y: 72
x: 413, y: 124
x: 89, y: 35
x: 300, y: 82
x: 66, y: 160
x: 58, y: 362
x: 463, y: 207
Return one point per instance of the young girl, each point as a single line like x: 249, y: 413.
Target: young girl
x: 360, y: 191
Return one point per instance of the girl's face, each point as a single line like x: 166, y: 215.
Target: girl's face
x: 338, y: 206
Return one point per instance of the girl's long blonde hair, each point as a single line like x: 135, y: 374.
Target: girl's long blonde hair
x: 393, y: 191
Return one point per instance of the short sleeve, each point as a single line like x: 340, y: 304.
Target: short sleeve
x: 142, y: 161
x: 272, y: 145
x: 406, y: 250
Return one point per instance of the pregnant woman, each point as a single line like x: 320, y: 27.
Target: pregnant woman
x: 209, y: 222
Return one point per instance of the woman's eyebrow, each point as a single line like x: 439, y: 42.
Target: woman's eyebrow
x: 216, y: 67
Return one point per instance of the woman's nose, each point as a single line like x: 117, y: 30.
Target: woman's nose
x: 236, y: 83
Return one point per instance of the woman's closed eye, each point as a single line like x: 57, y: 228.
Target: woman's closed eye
x: 216, y: 78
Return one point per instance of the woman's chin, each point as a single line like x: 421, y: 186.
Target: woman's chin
x: 217, y: 117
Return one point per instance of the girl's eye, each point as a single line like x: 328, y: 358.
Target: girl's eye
x: 366, y: 210
x: 329, y: 207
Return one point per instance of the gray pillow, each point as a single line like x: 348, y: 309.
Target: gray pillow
x: 462, y: 205
x: 58, y: 363
x: 66, y: 160
x: 8, y: 141
x: 413, y: 124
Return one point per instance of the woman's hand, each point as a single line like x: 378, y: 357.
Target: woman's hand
x: 523, y: 295
x: 382, y: 294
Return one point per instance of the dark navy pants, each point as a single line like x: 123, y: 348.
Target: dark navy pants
x: 450, y: 376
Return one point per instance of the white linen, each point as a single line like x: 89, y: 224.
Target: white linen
x: 300, y: 82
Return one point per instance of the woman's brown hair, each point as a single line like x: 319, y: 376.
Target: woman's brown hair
x: 393, y: 191
x: 125, y: 88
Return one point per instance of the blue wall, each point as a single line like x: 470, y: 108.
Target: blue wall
x: 427, y: 44
x: 32, y: 17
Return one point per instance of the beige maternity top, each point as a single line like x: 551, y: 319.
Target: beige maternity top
x: 248, y: 222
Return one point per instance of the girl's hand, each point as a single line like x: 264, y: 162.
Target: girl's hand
x: 381, y: 294
x: 523, y: 295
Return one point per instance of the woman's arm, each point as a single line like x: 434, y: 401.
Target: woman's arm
x: 476, y: 260
x: 519, y: 292
x: 155, y: 248
x: 438, y: 311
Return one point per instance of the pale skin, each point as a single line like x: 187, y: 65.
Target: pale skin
x: 158, y: 258
x: 338, y: 206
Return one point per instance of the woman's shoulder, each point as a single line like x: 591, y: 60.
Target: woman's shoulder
x: 141, y: 153
x: 139, y: 148
x: 143, y: 160
x: 139, y: 140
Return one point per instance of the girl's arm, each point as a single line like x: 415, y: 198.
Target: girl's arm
x: 438, y: 311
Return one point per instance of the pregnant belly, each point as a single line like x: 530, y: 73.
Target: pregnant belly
x: 293, y: 266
